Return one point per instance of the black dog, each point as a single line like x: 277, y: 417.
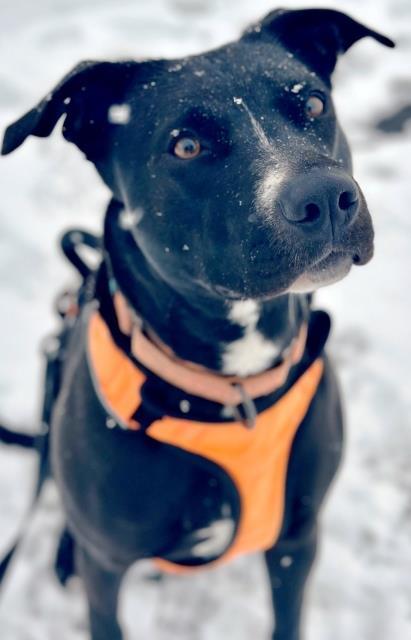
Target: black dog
x: 233, y: 199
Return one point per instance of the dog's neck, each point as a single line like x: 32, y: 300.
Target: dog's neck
x: 234, y: 337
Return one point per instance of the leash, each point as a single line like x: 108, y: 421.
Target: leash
x: 38, y: 442
x: 18, y: 438
x: 68, y: 305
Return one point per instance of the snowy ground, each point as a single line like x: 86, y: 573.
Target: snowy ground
x: 362, y: 585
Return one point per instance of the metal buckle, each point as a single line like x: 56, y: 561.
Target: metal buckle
x: 248, y: 407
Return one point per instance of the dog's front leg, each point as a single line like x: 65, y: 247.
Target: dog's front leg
x: 289, y: 565
x: 102, y: 590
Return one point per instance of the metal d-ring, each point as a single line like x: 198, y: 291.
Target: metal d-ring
x: 248, y: 407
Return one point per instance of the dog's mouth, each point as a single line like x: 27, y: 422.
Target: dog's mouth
x: 334, y: 267
x: 330, y: 267
x: 309, y: 264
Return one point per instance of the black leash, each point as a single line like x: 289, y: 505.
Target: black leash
x: 38, y: 442
x: 68, y: 306
x: 25, y: 440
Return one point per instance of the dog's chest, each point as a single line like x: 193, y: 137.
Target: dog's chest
x: 232, y: 468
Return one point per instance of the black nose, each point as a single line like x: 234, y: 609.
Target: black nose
x: 318, y: 199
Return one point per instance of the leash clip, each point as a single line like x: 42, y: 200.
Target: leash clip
x: 248, y: 408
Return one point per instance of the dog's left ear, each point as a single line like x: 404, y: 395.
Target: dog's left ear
x: 316, y: 36
x: 84, y: 95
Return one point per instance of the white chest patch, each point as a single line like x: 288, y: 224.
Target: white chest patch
x: 252, y: 352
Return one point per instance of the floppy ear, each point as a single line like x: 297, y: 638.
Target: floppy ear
x: 315, y: 36
x: 85, y: 96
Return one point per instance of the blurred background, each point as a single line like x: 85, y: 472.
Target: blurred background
x: 362, y: 584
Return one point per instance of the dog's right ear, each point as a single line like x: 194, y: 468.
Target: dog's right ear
x: 315, y: 36
x: 85, y: 95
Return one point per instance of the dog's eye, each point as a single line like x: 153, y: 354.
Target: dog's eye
x: 314, y: 106
x: 187, y: 148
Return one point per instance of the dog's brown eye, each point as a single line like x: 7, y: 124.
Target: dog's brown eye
x: 187, y: 148
x: 314, y: 106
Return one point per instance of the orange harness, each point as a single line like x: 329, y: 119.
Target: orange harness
x: 255, y: 459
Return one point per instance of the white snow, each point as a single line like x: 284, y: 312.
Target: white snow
x: 119, y: 113
x: 185, y: 406
x: 361, y: 587
x: 128, y: 220
x: 296, y: 88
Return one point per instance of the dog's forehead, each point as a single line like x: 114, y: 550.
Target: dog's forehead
x: 239, y: 68
x: 254, y: 72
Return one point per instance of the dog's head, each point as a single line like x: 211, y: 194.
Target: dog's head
x: 233, y: 170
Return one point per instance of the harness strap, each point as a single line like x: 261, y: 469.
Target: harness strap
x: 255, y: 460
